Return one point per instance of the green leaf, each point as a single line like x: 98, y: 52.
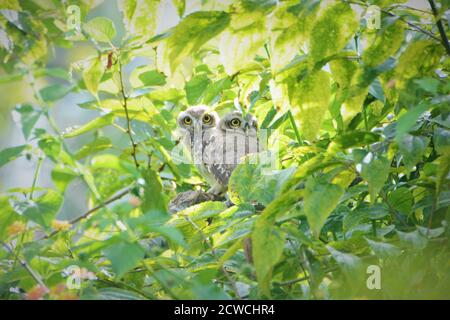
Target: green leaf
x: 154, y: 200
x: 191, y: 33
x: 95, y: 124
x: 50, y: 146
x: 384, y: 43
x: 58, y: 73
x: 412, y: 239
x: 401, y: 199
x: 100, y: 29
x: 332, y: 31
x: 310, y: 102
x: 356, y: 139
x: 349, y: 264
x: 181, y: 6
x: 9, y: 154
x: 62, y: 176
x: 124, y: 256
x: 195, y: 88
x: 419, y: 59
x: 28, y: 118
x: 429, y: 84
x: 140, y: 17
x: 152, y: 78
x: 408, y: 120
x: 383, y: 250
x: 375, y: 170
x: 321, y: 198
x: 268, y: 244
x: 198, y: 212
x: 412, y: 149
x: 7, y: 217
x: 215, y: 89
x: 140, y: 108
x: 172, y: 234
x: 43, y: 210
x: 54, y: 92
x: 239, y: 44
x: 92, y: 75
x: 441, y: 140
x: 250, y: 183
x: 287, y: 34
x: 99, y: 144
x: 268, y: 239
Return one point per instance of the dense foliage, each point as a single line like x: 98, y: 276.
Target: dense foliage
x: 359, y: 116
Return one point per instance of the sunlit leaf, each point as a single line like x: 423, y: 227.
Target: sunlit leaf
x: 100, y: 29
x: 95, y: 124
x: 310, y: 102
x: 321, y: 198
x: 192, y: 32
x: 332, y: 30
x: 375, y: 170
x: 384, y: 42
x: 124, y: 256
x: 9, y: 154
x: 44, y: 209
x: 28, y: 118
x: 92, y: 75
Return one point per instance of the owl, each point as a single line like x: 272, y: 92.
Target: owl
x: 235, y: 137
x: 199, y: 126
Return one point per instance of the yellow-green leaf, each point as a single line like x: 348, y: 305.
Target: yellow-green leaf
x: 332, y: 31
x: 321, y: 198
x: 309, y: 102
x: 92, y: 75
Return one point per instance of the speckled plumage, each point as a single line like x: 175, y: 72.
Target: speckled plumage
x: 217, y: 149
x: 227, y: 147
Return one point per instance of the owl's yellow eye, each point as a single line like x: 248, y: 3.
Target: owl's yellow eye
x: 187, y: 120
x: 207, y: 119
x: 235, y: 123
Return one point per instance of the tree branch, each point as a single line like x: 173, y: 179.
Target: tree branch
x: 27, y: 267
x: 90, y: 211
x: 440, y: 26
x: 125, y: 106
x: 412, y: 25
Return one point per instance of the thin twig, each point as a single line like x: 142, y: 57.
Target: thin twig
x: 412, y: 25
x: 402, y: 6
x: 27, y: 267
x: 290, y: 282
x: 125, y: 106
x: 90, y: 211
x: 440, y: 26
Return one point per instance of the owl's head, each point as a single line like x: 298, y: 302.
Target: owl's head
x: 198, y: 117
x: 235, y: 121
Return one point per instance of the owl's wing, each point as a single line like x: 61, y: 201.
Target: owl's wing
x: 221, y: 172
